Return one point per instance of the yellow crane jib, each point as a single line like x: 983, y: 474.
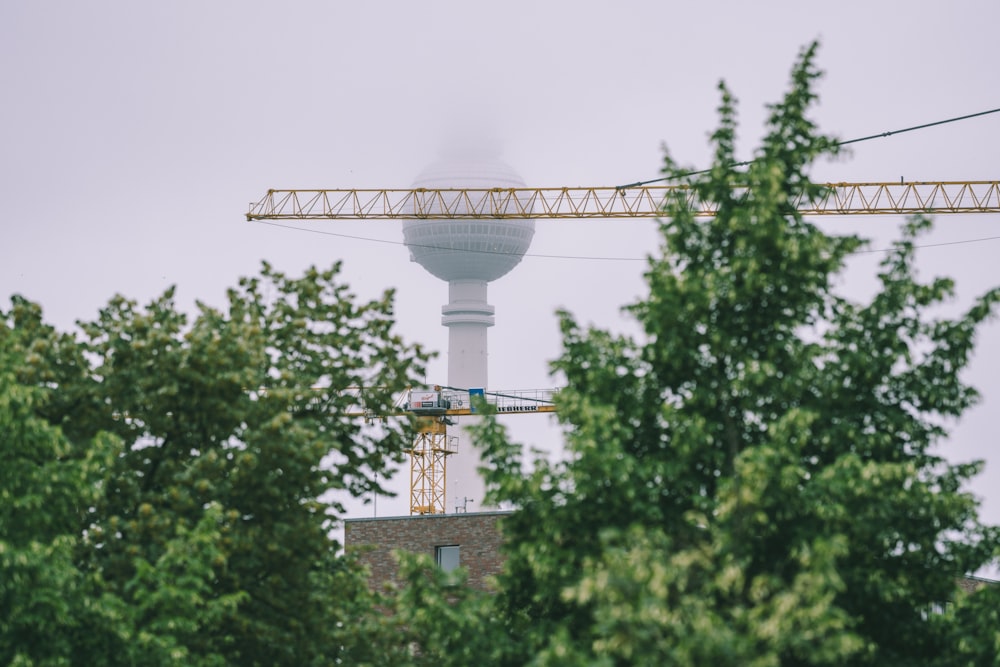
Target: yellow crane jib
x: 439, y: 400
x: 434, y: 407
x: 640, y: 201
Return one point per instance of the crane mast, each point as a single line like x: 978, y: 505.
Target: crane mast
x: 640, y: 201
x: 435, y: 408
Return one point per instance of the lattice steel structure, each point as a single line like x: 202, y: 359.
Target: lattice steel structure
x: 429, y: 466
x: 432, y: 446
x: 904, y: 198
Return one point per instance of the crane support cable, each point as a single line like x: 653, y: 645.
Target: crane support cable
x: 646, y: 201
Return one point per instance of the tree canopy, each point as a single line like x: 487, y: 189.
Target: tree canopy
x: 754, y: 480
x: 182, y: 477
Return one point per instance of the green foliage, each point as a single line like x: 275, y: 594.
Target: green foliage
x: 754, y: 481
x: 435, y: 619
x: 972, y: 624
x: 181, y: 478
x: 46, y: 484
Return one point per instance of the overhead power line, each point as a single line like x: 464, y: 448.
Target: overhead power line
x: 599, y: 258
x: 917, y: 127
x: 880, y: 135
x: 436, y: 247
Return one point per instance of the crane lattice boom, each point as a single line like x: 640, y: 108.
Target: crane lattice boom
x: 459, y: 402
x: 644, y: 201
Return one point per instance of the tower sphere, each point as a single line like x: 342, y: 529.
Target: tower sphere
x: 467, y: 249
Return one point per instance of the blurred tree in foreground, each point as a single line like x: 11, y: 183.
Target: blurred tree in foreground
x: 754, y: 481
x: 167, y: 486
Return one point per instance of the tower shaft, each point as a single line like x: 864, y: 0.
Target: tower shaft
x: 467, y: 316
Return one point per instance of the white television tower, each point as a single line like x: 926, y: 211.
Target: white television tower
x: 468, y: 254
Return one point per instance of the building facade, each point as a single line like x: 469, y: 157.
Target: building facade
x: 470, y: 540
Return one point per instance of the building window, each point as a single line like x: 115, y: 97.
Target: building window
x: 446, y: 557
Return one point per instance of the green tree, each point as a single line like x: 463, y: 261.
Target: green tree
x: 433, y: 618
x: 753, y: 481
x: 41, y: 486
x: 226, y: 444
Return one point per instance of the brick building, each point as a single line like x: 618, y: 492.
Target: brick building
x: 470, y: 540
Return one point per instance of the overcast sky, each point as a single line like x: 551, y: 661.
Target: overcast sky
x: 135, y: 134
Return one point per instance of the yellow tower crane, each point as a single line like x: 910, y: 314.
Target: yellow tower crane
x: 435, y: 407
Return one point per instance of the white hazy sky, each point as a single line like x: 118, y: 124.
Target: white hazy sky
x: 133, y: 135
